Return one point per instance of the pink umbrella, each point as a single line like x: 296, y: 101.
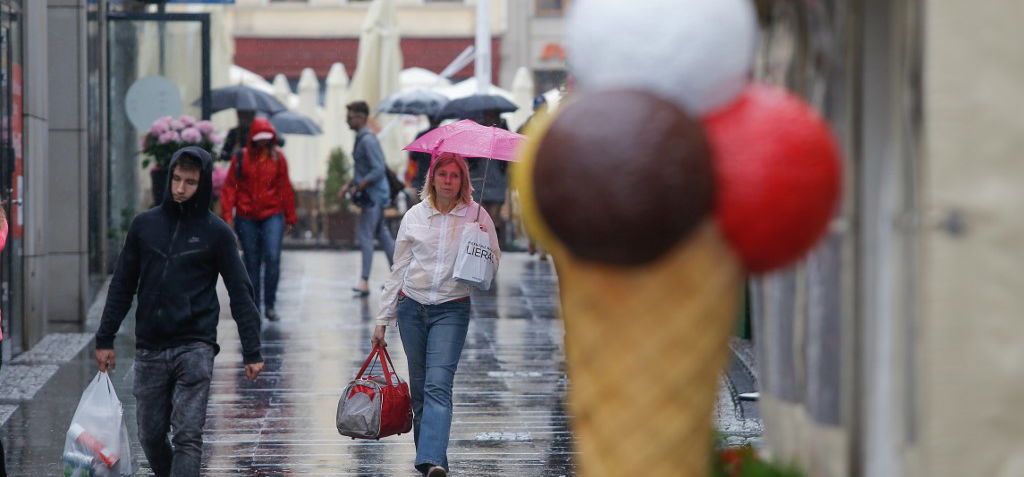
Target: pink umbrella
x: 469, y: 139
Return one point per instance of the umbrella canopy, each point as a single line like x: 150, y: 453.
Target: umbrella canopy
x: 474, y: 106
x: 522, y: 89
x: 289, y: 122
x: 417, y: 101
x: 469, y: 139
x: 245, y: 98
x: 380, y: 54
x: 335, y: 98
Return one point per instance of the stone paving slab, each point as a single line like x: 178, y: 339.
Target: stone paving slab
x: 55, y: 348
x: 5, y: 412
x: 20, y: 382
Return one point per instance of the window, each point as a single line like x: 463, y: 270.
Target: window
x: 551, y: 7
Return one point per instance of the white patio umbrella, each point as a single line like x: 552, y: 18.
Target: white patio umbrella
x: 468, y: 88
x: 380, y: 55
x: 336, y: 131
x: 377, y: 75
x: 305, y: 163
x: 421, y: 78
x: 522, y: 90
x: 282, y: 90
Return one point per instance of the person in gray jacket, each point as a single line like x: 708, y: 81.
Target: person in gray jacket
x: 369, y: 190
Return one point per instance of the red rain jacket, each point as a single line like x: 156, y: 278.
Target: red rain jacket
x: 262, y: 187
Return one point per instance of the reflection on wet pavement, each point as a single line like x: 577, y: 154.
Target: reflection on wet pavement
x: 509, y: 417
x: 508, y: 420
x: 508, y: 392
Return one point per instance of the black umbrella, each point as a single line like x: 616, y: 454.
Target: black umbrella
x: 288, y: 122
x: 243, y: 97
x: 417, y: 101
x: 474, y: 106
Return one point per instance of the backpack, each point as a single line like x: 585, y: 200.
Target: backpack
x: 394, y: 184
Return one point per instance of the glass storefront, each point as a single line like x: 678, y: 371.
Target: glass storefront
x: 11, y: 166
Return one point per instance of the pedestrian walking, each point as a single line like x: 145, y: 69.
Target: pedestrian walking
x: 171, y: 259
x: 422, y: 160
x: 238, y: 136
x: 429, y: 306
x: 372, y: 193
x: 493, y: 196
x: 3, y: 243
x: 259, y: 200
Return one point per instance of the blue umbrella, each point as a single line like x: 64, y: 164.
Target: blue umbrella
x: 417, y: 101
x: 244, y: 98
x: 289, y: 122
x: 474, y: 106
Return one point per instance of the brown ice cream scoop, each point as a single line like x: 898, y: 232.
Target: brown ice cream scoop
x: 622, y: 176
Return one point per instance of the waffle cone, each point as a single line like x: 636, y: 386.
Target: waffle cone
x: 646, y: 347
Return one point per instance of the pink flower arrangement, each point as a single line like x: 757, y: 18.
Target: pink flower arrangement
x: 191, y: 135
x: 166, y: 135
x: 220, y: 174
x: 205, y: 127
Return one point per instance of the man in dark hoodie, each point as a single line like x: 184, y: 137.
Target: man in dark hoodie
x: 171, y: 257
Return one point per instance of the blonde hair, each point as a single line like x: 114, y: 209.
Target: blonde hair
x: 441, y: 160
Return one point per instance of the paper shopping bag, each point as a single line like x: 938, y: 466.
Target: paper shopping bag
x: 474, y: 261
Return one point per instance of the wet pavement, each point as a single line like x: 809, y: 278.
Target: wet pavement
x: 508, y: 418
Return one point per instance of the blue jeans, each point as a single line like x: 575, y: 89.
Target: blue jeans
x: 432, y: 336
x: 172, y: 388
x: 371, y: 225
x: 261, y: 246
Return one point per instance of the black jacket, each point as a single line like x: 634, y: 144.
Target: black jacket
x: 171, y: 258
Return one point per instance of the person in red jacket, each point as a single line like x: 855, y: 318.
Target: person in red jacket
x: 258, y: 195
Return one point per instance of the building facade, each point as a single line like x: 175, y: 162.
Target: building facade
x: 273, y: 37
x: 45, y: 174
x: 535, y: 40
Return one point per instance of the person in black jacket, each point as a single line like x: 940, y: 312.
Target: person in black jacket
x: 171, y: 258
x: 238, y: 136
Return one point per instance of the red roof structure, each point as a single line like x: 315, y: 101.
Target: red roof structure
x: 270, y: 56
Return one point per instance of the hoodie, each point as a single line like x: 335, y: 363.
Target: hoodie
x: 171, y: 259
x: 257, y: 185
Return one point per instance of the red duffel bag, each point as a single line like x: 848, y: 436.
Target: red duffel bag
x: 372, y: 407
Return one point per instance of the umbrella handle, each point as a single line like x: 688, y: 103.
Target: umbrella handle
x: 483, y: 187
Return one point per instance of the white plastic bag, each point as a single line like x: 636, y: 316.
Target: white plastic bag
x: 474, y: 261
x: 96, y: 444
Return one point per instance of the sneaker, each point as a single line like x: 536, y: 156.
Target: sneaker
x: 437, y: 471
x: 272, y: 315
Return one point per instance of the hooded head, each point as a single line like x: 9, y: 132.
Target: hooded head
x: 261, y: 129
x: 199, y: 203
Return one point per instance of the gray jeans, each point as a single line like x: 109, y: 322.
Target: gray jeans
x: 171, y: 390
x: 371, y: 225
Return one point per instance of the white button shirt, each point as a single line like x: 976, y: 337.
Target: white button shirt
x: 425, y: 257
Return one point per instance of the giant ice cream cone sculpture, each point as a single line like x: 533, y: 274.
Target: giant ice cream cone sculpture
x: 648, y: 309
x: 657, y: 189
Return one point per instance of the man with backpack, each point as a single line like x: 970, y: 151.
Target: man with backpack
x: 370, y: 191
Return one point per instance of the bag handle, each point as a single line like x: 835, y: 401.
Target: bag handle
x: 366, y: 364
x: 385, y: 359
x: 381, y: 353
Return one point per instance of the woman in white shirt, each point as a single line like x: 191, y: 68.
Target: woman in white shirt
x: 430, y: 307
